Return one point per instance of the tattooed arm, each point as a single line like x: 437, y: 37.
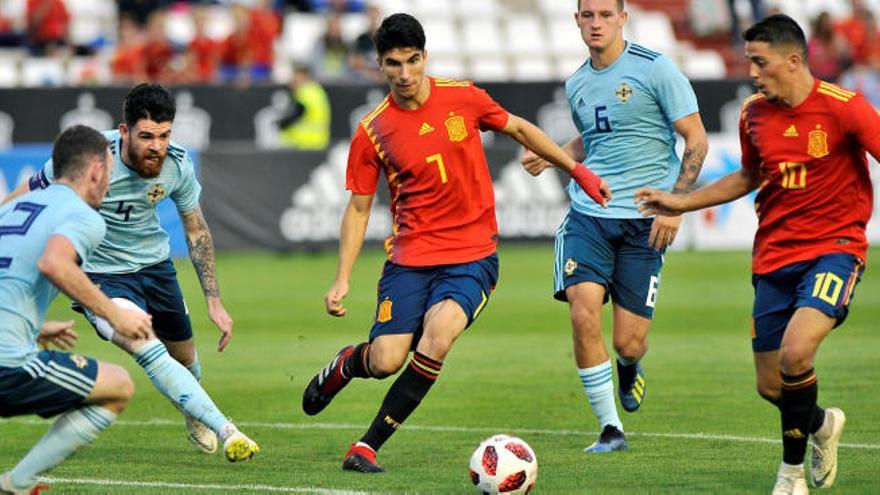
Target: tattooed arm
x: 665, y: 228
x: 201, y: 252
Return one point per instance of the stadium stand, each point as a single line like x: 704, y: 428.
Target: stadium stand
x: 483, y: 39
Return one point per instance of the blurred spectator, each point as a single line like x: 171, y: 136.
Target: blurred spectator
x: 865, y: 79
x: 363, y: 51
x: 329, y: 60
x: 827, y: 51
x: 247, y: 53
x: 870, y: 46
x: 158, y: 52
x: 757, y: 14
x: 128, y: 64
x: 47, y: 23
x: 306, y: 125
x: 298, y: 5
x: 8, y: 36
x: 202, y: 54
x: 338, y: 6
x: 140, y: 10
x: 855, y: 30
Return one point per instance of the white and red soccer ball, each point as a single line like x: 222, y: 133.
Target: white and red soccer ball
x: 503, y: 464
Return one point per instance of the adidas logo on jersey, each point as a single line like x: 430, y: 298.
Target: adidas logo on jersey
x: 791, y: 132
x: 425, y: 129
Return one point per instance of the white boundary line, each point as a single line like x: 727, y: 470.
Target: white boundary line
x: 198, y: 486
x: 461, y: 429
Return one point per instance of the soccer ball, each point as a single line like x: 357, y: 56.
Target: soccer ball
x: 503, y: 464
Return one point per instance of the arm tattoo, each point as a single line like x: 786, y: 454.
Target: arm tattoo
x: 691, y: 163
x: 201, y: 251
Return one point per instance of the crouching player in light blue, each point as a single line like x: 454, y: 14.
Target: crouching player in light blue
x: 44, y: 236
x: 131, y: 265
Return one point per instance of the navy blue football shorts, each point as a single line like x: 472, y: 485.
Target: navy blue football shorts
x: 155, y: 290
x: 406, y: 293
x: 50, y: 384
x: 825, y: 283
x: 612, y: 252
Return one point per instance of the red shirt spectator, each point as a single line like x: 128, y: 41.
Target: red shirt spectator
x: 47, y: 21
x: 128, y: 64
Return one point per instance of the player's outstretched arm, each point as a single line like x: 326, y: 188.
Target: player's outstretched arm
x: 201, y: 253
x: 351, y: 239
x: 728, y: 188
x: 528, y: 135
x: 664, y: 228
x: 534, y: 164
x: 59, y: 264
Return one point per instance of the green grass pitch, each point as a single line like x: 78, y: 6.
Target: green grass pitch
x: 701, y: 429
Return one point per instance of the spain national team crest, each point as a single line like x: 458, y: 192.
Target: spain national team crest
x: 79, y: 361
x: 817, y: 146
x: 624, y: 92
x: 456, y: 128
x: 384, y: 311
x: 156, y: 193
x: 570, y: 266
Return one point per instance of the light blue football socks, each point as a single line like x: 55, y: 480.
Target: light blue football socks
x: 599, y: 388
x: 179, y: 385
x: 72, y: 430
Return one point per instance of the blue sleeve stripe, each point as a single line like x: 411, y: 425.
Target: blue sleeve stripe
x: 631, y: 52
x: 644, y: 51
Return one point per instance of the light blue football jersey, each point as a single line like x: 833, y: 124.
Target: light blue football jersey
x: 624, y: 113
x: 26, y: 224
x: 134, y: 238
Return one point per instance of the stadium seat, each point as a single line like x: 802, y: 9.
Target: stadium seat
x: 219, y: 23
x: 429, y: 9
x: 42, y: 71
x: 299, y: 34
x: 484, y: 9
x: 388, y: 7
x: 654, y: 31
x: 703, y: 64
x: 9, y: 74
x: 566, y: 66
x: 179, y: 26
x: 532, y: 69
x: 565, y: 38
x: 442, y: 37
x: 15, y: 10
x: 353, y: 25
x: 489, y: 69
x: 482, y: 36
x: 452, y: 67
x: 524, y: 35
x: 557, y: 9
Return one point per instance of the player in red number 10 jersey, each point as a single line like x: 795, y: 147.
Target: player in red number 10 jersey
x: 425, y: 138
x: 803, y: 147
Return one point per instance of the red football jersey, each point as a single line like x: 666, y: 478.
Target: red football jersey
x: 442, y: 199
x: 816, y: 195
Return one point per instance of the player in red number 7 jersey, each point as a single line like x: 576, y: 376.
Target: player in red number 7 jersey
x: 425, y: 137
x: 803, y: 148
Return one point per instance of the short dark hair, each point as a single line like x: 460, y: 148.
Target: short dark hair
x: 74, y: 149
x: 148, y: 101
x: 619, y: 5
x: 399, y: 31
x: 777, y: 30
